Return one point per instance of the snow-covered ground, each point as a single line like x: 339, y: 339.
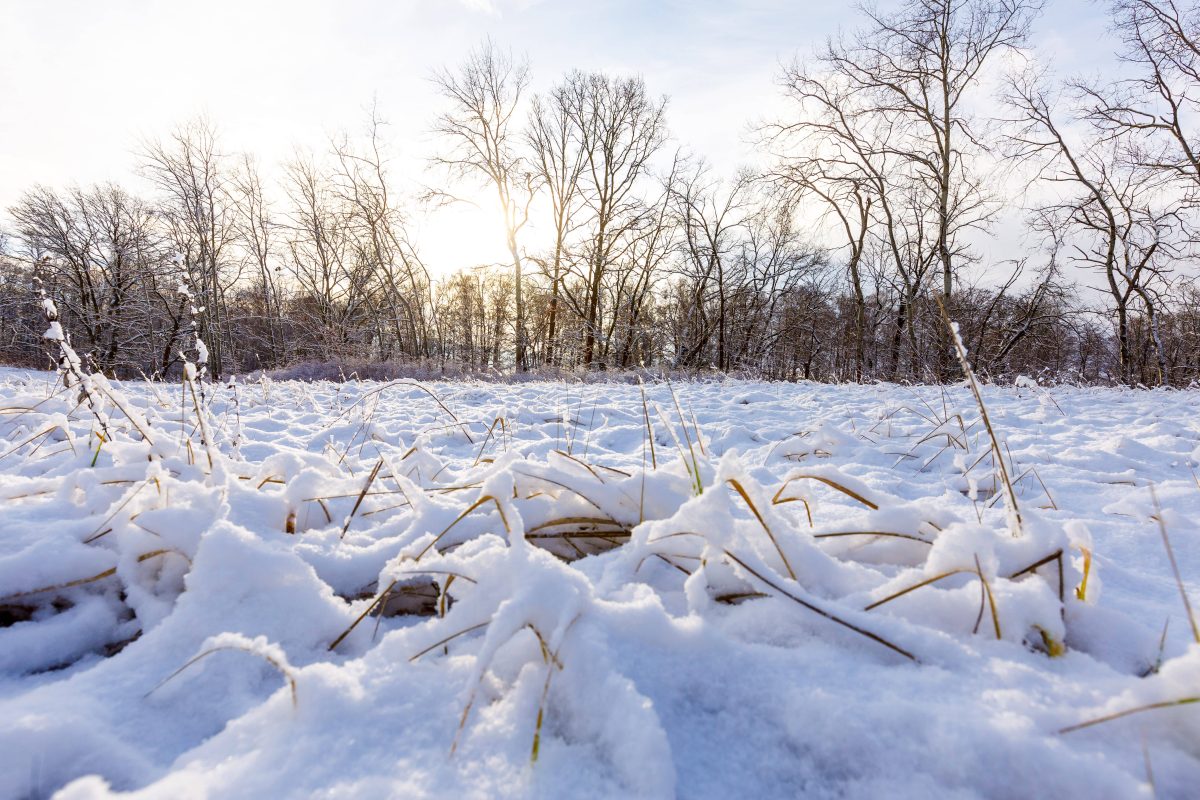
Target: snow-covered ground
x: 570, y: 612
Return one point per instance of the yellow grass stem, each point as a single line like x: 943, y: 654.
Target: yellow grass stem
x: 779, y: 498
x: 273, y: 662
x: 961, y: 353
x: 1162, y: 529
x: 1129, y: 711
x: 915, y: 586
x: 460, y: 517
x: 81, y: 581
x: 818, y: 610
x: 366, y: 488
x: 757, y: 515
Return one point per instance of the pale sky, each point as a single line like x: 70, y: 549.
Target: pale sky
x: 81, y: 81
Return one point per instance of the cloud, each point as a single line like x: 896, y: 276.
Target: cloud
x: 485, y: 6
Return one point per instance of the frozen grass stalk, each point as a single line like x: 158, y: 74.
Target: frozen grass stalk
x: 960, y: 350
x: 69, y: 365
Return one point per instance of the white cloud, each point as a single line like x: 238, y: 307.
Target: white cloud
x: 486, y: 6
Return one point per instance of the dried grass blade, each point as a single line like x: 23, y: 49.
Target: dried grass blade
x: 1162, y: 529
x: 366, y: 488
x: 287, y: 674
x: 817, y: 610
x: 778, y: 549
x: 1129, y: 711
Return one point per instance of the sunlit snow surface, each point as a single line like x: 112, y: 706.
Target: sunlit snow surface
x: 683, y: 660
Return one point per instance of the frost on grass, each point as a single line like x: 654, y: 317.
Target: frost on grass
x: 548, y: 589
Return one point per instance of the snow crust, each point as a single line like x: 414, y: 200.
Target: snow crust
x: 706, y: 640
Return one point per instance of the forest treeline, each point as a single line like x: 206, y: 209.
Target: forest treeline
x: 899, y: 146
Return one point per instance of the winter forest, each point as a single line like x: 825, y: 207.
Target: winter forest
x: 897, y: 145
x: 795, y: 400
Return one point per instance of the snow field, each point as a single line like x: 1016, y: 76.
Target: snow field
x: 708, y: 590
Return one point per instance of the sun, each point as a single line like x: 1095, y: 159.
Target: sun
x: 464, y: 234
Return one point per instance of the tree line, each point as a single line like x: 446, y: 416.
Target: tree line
x: 900, y: 145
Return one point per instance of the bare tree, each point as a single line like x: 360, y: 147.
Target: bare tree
x: 777, y: 272
x: 103, y: 247
x: 619, y: 127
x: 380, y: 228
x: 633, y: 280
x: 256, y: 229
x: 332, y: 303
x: 709, y: 213
x: 1154, y: 107
x: 485, y: 94
x: 194, y: 179
x: 837, y: 149
x: 1121, y: 226
x: 921, y: 65
x: 558, y: 161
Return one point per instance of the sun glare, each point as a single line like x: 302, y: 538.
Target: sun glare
x: 464, y: 234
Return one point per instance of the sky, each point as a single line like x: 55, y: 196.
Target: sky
x: 82, y: 82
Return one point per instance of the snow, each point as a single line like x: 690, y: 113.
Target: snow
x: 696, y: 638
